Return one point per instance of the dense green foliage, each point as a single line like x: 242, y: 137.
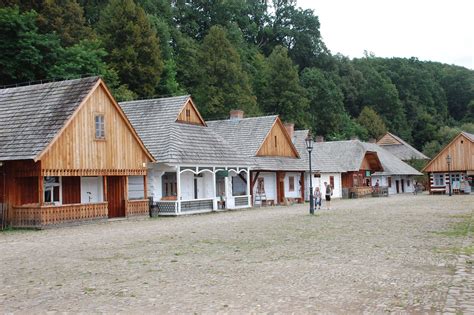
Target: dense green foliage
x: 262, y: 57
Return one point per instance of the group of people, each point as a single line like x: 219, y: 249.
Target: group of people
x: 318, y: 196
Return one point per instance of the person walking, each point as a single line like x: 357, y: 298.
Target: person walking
x: 317, y: 197
x: 328, y: 195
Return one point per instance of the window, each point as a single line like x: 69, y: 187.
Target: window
x: 408, y: 183
x: 169, y: 184
x: 438, y: 179
x: 260, y: 186
x: 275, y: 141
x: 389, y: 182
x: 188, y: 114
x: 51, y: 189
x: 291, y: 180
x: 99, y: 127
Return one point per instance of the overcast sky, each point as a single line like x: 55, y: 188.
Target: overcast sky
x: 430, y: 30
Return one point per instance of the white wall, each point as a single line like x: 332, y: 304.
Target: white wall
x: 270, y: 185
x: 408, y: 183
x: 187, y: 186
x: 92, y: 189
x: 319, y: 182
x: 136, y: 187
x: 297, y: 191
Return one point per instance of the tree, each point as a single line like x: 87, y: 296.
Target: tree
x: 26, y: 54
x: 283, y: 93
x: 372, y: 122
x: 133, y: 46
x: 326, y: 102
x: 223, y: 85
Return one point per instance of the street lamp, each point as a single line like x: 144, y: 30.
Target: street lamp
x: 448, y: 160
x: 309, y: 147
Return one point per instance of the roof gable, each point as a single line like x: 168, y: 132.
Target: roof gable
x: 461, y: 150
x: 277, y: 142
x: 32, y: 116
x: 190, y: 115
x: 400, y: 148
x: 389, y: 139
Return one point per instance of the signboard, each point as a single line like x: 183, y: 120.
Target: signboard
x: 367, y: 173
x: 222, y: 173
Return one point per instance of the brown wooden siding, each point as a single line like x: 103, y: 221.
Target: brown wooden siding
x: 461, y: 150
x: 71, y: 186
x: 277, y: 143
x: 78, y: 149
x: 190, y: 115
x: 371, y: 162
x: 387, y: 139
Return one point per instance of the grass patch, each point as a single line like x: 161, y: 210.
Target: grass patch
x: 459, y: 229
x: 469, y: 250
x: 10, y: 229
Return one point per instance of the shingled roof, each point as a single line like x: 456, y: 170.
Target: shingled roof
x: 31, y: 116
x: 468, y: 135
x: 347, y: 156
x: 402, y: 149
x: 247, y: 135
x: 175, y: 142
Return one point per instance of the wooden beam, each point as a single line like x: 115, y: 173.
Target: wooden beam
x: 104, y: 179
x: 40, y: 190
x: 254, y: 180
x: 302, y: 186
x: 145, y: 187
x: 243, y: 178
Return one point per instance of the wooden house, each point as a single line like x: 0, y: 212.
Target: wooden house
x: 354, y: 167
x: 277, y: 172
x: 68, y: 154
x: 460, y: 169
x: 400, y: 148
x: 197, y: 170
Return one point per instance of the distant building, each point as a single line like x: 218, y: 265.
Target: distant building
x: 400, y: 148
x: 461, y: 167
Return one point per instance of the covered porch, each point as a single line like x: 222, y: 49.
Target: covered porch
x: 177, y: 190
x: 38, y: 198
x: 277, y: 187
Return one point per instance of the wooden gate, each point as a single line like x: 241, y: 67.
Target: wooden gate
x: 116, y: 196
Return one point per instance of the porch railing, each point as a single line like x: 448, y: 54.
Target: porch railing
x: 164, y: 207
x: 197, y: 205
x: 137, y: 207
x: 241, y: 201
x: 36, y: 216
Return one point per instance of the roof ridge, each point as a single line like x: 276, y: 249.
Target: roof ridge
x: 156, y: 99
x: 245, y: 118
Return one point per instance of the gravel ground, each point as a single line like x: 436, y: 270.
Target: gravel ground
x: 366, y: 255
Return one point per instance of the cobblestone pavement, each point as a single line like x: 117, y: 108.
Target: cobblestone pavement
x: 366, y: 255
x: 460, y: 297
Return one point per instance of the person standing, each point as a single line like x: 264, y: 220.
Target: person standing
x: 328, y: 195
x: 317, y: 197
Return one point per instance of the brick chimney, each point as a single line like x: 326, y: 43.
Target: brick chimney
x: 319, y: 139
x: 290, y: 128
x: 372, y: 140
x: 236, y: 114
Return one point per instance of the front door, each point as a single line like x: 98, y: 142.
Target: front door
x: 397, y: 184
x: 116, y: 196
x: 280, y: 187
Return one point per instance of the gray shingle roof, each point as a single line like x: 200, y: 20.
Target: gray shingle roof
x: 30, y: 116
x: 404, y: 150
x: 247, y: 135
x: 179, y: 143
x: 346, y: 156
x: 469, y: 135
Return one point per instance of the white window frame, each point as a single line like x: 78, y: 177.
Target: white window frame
x: 99, y: 121
x: 438, y: 179
x: 50, y: 187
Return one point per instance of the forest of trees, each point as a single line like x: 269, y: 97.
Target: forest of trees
x: 260, y: 56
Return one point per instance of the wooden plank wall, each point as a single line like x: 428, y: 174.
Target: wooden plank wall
x: 371, y: 162
x: 71, y: 186
x: 78, y: 149
x: 193, y: 118
x: 277, y: 143
x: 461, y: 151
x: 387, y: 140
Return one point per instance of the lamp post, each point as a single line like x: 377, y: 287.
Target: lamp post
x: 448, y: 160
x: 309, y: 147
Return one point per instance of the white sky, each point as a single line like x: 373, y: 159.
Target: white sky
x: 433, y: 30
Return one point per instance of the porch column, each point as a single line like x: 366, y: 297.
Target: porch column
x: 104, y: 180
x: 214, y: 191
x: 302, y: 188
x: 178, y: 189
x: 40, y: 190
x: 249, y: 194
x: 125, y: 179
x: 145, y: 187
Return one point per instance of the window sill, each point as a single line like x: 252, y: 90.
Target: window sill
x: 100, y: 140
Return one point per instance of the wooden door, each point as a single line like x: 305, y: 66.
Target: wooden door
x: 116, y: 196
x: 280, y: 187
